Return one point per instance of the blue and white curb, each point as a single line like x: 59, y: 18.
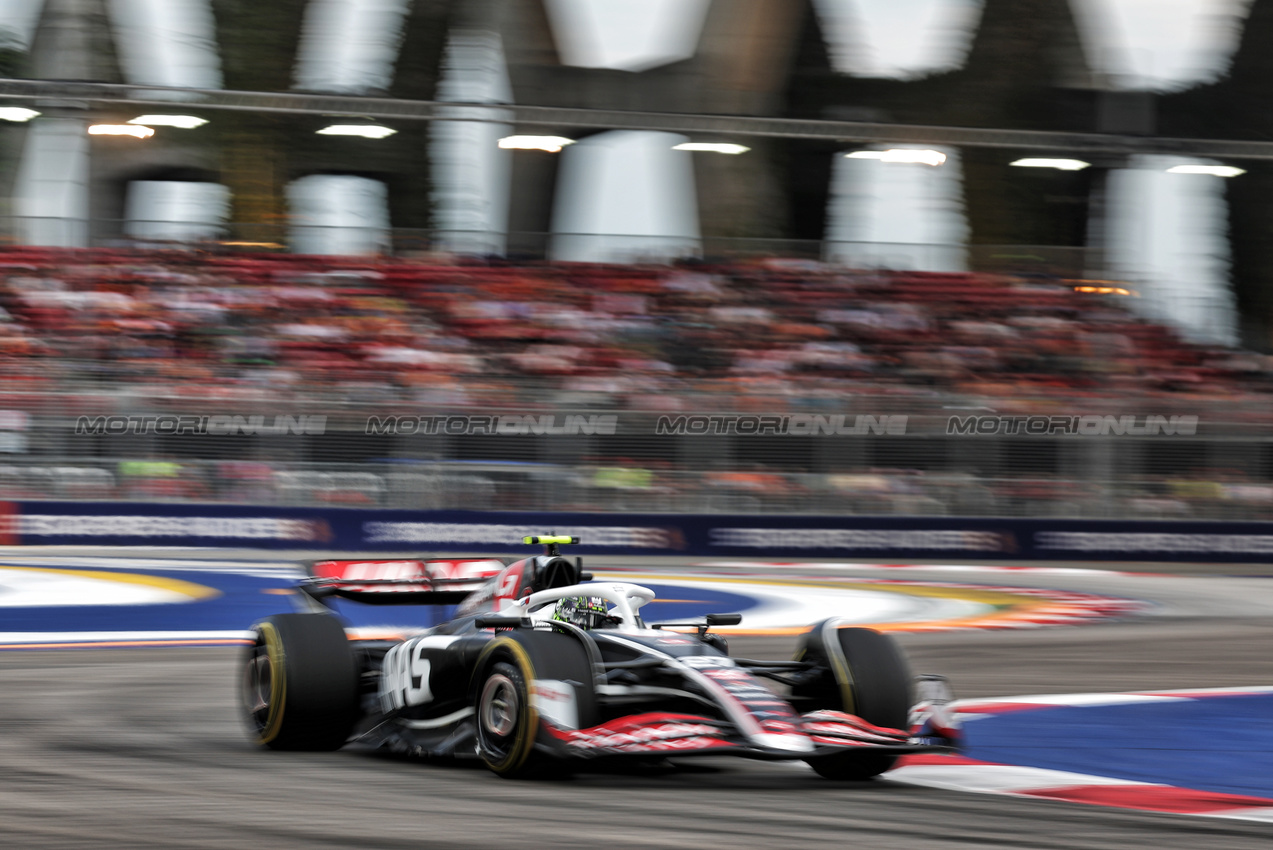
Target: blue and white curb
x: 1197, y: 752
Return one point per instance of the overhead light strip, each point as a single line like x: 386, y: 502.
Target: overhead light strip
x: 903, y: 155
x: 366, y: 131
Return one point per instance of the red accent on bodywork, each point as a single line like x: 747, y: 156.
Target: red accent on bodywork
x: 840, y: 723
x: 349, y: 573
x: 509, y: 582
x: 770, y: 713
x: 432, y: 574
x: 650, y: 732
x: 826, y: 741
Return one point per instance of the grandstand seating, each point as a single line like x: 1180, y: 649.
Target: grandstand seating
x: 290, y: 324
x: 179, y: 327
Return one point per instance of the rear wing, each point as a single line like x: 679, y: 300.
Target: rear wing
x: 400, y: 581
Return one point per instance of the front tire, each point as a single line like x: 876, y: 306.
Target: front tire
x: 299, y: 685
x: 506, y: 719
x: 868, y: 676
x: 507, y: 722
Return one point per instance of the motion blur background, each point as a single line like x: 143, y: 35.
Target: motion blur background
x: 918, y: 208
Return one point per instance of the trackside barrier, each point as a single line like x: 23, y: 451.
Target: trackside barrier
x: 716, y: 535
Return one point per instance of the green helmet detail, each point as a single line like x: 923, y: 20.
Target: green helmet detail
x: 586, y: 612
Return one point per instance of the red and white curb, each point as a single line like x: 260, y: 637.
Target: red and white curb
x: 959, y: 773
x: 1003, y: 606
x: 954, y: 773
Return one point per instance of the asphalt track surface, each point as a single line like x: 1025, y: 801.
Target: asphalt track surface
x: 143, y: 749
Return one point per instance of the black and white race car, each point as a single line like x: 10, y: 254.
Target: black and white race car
x: 542, y: 665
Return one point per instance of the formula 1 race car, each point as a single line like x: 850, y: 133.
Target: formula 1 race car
x: 542, y: 665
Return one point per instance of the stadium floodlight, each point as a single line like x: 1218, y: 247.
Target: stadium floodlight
x: 1213, y: 170
x: 134, y: 130
x: 711, y: 147
x: 1059, y: 164
x: 185, y: 122
x: 16, y: 113
x: 549, y: 144
x: 367, y: 131
x: 920, y: 157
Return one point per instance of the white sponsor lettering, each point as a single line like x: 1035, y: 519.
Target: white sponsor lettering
x: 1093, y: 541
x: 382, y: 570
x: 404, y: 673
x: 246, y: 528
x: 704, y: 662
x: 506, y: 535
x: 849, y: 538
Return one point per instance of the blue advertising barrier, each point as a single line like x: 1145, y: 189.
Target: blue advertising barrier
x: 699, y: 535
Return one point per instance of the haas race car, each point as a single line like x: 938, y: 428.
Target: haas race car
x: 542, y: 665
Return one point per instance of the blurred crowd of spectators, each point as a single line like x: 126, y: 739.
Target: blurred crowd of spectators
x: 760, y: 336
x: 766, y: 335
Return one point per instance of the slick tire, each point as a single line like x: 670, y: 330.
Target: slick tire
x: 868, y: 677
x: 299, y: 683
x: 507, y: 721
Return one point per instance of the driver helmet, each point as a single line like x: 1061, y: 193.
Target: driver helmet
x: 586, y: 612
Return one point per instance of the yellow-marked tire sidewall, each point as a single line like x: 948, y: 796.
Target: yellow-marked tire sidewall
x: 825, y: 637
x: 841, y: 670
x: 519, y: 752
x: 268, y: 636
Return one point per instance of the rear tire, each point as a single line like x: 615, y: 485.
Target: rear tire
x: 867, y: 676
x: 299, y: 687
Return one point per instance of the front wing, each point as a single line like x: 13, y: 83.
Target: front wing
x: 661, y: 733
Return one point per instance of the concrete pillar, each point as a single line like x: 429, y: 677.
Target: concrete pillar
x: 625, y: 196
x: 338, y: 214
x: 898, y: 215
x: 1169, y: 232
x: 470, y: 173
x: 740, y: 65
x: 73, y: 42
x: 50, y: 189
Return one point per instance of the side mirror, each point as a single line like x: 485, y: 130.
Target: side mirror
x: 724, y: 619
